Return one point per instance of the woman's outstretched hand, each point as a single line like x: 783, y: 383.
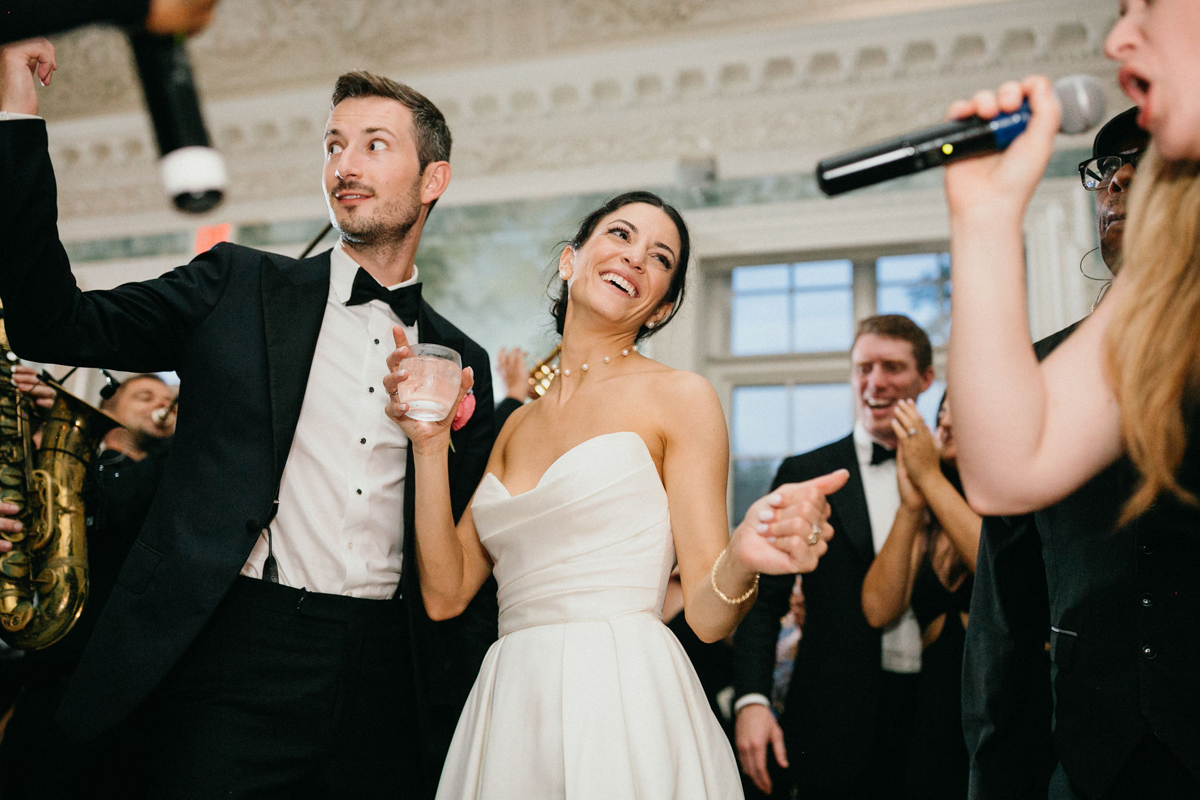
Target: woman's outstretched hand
x: 788, y: 530
x: 1003, y: 183
x: 425, y: 438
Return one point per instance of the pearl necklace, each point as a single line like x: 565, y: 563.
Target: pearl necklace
x: 566, y: 373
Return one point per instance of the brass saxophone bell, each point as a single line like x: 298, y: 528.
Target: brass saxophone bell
x: 43, y: 579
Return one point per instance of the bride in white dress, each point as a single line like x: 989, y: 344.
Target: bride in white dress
x: 592, y: 494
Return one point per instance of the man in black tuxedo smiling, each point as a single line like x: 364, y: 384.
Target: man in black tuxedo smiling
x: 268, y: 620
x: 847, y: 712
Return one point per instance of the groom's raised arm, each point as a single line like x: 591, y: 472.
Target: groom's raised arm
x: 138, y: 327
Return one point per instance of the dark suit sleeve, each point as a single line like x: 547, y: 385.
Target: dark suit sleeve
x: 1007, y: 704
x: 757, y: 635
x: 137, y: 327
x: 25, y: 18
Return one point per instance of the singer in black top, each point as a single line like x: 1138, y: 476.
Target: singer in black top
x: 332, y: 682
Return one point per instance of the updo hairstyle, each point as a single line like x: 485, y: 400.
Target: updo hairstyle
x: 678, y: 276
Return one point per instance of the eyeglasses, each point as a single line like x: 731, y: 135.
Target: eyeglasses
x: 1098, y: 173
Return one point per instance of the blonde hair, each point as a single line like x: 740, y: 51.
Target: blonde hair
x: 1153, y: 341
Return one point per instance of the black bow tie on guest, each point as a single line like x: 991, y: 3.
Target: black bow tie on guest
x: 405, y: 301
x: 880, y: 454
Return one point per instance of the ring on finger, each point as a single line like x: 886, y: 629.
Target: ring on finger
x: 912, y: 431
x: 815, y: 535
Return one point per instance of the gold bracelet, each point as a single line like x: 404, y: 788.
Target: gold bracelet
x: 733, y: 601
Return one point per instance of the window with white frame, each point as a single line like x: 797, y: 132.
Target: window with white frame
x: 780, y: 353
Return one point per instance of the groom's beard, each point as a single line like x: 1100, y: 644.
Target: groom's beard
x: 389, y: 226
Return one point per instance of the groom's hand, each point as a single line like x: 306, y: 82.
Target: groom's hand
x: 21, y: 63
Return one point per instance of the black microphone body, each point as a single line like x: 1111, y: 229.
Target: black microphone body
x: 1082, y: 98
x: 193, y: 173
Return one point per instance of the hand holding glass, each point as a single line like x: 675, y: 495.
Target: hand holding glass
x: 434, y: 377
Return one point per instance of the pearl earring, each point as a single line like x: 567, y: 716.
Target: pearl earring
x: 651, y: 324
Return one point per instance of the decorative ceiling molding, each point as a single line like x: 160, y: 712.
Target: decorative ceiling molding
x: 257, y: 46
x: 760, y: 103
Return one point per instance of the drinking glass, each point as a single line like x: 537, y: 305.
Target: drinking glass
x: 434, y: 376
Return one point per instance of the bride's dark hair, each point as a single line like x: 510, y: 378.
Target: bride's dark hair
x: 678, y: 277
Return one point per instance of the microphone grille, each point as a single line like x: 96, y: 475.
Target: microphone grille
x: 1082, y: 99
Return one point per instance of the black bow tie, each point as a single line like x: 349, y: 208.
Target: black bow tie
x: 405, y: 301
x: 880, y: 454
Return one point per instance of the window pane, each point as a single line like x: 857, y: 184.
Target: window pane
x: 751, y: 479
x: 822, y: 274
x: 821, y: 413
x: 906, y: 269
x: 760, y: 421
x: 920, y: 302
x: 759, y: 324
x: 758, y: 279
x: 927, y: 403
x: 917, y: 286
x: 824, y: 321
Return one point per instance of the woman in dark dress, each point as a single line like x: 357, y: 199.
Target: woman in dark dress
x: 927, y: 562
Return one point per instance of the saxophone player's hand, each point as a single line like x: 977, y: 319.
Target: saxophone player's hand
x: 8, y: 525
x: 28, y: 383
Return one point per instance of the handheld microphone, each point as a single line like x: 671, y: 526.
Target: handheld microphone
x: 1081, y: 97
x: 193, y: 173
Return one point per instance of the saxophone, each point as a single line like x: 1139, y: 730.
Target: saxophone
x: 543, y: 373
x: 44, y: 578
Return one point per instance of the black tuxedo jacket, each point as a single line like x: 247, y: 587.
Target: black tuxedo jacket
x: 239, y: 326
x: 1119, y: 608
x: 832, y: 701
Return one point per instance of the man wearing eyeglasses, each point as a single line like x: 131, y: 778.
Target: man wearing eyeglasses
x: 1109, y: 173
x: 1068, y: 575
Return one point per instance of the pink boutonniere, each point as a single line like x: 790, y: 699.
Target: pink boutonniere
x: 465, y: 410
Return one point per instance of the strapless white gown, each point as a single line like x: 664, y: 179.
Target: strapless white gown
x: 586, y: 695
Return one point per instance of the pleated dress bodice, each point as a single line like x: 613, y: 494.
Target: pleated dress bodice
x: 591, y: 541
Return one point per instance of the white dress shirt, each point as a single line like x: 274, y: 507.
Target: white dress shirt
x: 340, y: 524
x: 902, y: 639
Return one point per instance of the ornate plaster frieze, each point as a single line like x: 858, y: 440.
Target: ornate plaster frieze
x: 759, y: 103
x: 255, y: 46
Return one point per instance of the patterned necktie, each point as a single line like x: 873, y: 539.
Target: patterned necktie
x: 880, y: 454
x: 405, y: 301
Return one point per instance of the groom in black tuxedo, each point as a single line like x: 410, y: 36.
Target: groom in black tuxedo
x: 268, y: 622
x: 847, y: 710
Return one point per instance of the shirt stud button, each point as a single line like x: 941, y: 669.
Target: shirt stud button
x: 1147, y: 601
x: 362, y: 441
x: 370, y: 388
x: 1149, y: 652
x: 358, y: 491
